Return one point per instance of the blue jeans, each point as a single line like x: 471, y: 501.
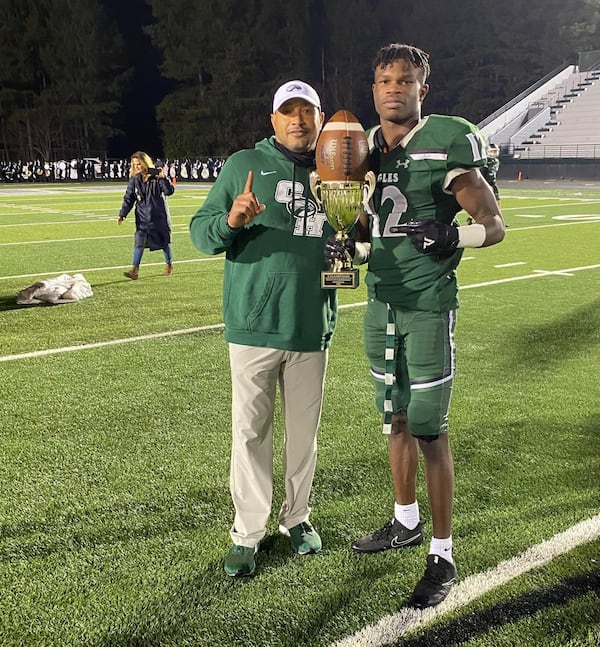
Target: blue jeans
x: 138, y: 252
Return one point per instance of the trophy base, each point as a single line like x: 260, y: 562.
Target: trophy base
x: 342, y: 279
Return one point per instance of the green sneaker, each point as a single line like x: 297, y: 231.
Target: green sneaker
x: 240, y: 560
x: 305, y: 539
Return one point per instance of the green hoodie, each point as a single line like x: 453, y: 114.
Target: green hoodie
x: 272, y: 295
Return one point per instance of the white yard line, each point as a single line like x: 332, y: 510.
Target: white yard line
x: 536, y: 274
x: 105, y: 268
x: 578, y: 219
x: 128, y: 340
x: 68, y: 187
x: 586, y: 219
x: 72, y: 240
x: 111, y: 342
x: 91, y: 218
x: 407, y: 620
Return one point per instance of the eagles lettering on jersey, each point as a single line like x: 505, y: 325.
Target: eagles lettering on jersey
x: 413, y: 184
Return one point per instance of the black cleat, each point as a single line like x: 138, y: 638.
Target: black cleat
x: 435, y: 585
x: 392, y: 535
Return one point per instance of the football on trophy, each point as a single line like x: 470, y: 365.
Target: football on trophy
x: 342, y: 153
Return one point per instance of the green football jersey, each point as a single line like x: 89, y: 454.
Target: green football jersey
x: 412, y: 184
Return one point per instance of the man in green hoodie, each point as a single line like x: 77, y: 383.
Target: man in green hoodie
x: 278, y: 320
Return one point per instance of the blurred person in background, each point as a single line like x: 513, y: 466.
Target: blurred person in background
x: 490, y: 169
x: 147, y: 191
x: 490, y: 172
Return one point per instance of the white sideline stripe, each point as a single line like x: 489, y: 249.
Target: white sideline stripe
x: 578, y: 199
x: 112, y: 342
x: 562, y: 202
x: 535, y: 275
x: 105, y: 268
x: 511, y: 264
x: 549, y: 225
x: 390, y: 628
x: 66, y: 349
x: 90, y: 219
x: 72, y: 240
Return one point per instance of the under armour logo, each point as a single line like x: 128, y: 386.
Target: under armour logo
x: 427, y: 242
x: 402, y: 163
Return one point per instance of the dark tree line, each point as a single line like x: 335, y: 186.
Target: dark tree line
x: 196, y: 78
x: 61, y: 78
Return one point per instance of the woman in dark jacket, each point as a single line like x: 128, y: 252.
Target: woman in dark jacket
x: 147, y: 189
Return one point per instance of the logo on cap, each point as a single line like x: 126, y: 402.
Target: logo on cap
x: 295, y: 89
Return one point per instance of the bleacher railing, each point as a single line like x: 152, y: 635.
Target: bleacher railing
x: 553, y: 151
x: 522, y: 95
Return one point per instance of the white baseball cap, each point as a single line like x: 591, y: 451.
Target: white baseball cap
x: 295, y: 90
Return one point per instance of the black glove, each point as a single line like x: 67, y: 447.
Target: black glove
x: 429, y: 236
x: 336, y: 250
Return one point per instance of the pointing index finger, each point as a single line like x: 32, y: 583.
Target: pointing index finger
x: 249, y: 180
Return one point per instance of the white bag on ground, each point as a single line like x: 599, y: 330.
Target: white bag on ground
x: 62, y: 289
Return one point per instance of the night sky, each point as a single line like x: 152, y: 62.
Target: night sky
x: 147, y: 89
x: 477, y: 91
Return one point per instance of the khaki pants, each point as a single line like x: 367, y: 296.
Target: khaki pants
x: 255, y: 373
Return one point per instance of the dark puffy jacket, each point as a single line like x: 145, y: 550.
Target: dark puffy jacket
x: 152, y: 218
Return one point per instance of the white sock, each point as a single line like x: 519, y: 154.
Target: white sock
x: 442, y: 547
x: 407, y: 515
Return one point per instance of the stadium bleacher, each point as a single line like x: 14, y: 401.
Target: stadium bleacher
x: 557, y: 118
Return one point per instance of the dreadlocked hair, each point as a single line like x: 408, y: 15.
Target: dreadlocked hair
x: 400, y: 51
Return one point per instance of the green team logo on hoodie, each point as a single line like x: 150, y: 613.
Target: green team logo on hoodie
x: 308, y: 220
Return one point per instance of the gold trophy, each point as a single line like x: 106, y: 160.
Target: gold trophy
x: 341, y: 201
x: 341, y: 185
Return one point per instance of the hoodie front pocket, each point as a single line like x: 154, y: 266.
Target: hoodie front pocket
x: 278, y: 309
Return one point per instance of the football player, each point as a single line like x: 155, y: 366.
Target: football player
x: 428, y: 169
x: 490, y: 173
x: 490, y: 169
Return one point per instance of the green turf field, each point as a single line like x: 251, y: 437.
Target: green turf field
x: 114, y: 500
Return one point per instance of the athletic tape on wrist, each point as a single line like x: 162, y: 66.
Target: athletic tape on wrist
x: 361, y: 252
x: 471, y: 236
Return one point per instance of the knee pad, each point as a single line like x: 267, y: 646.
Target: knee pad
x: 425, y: 420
